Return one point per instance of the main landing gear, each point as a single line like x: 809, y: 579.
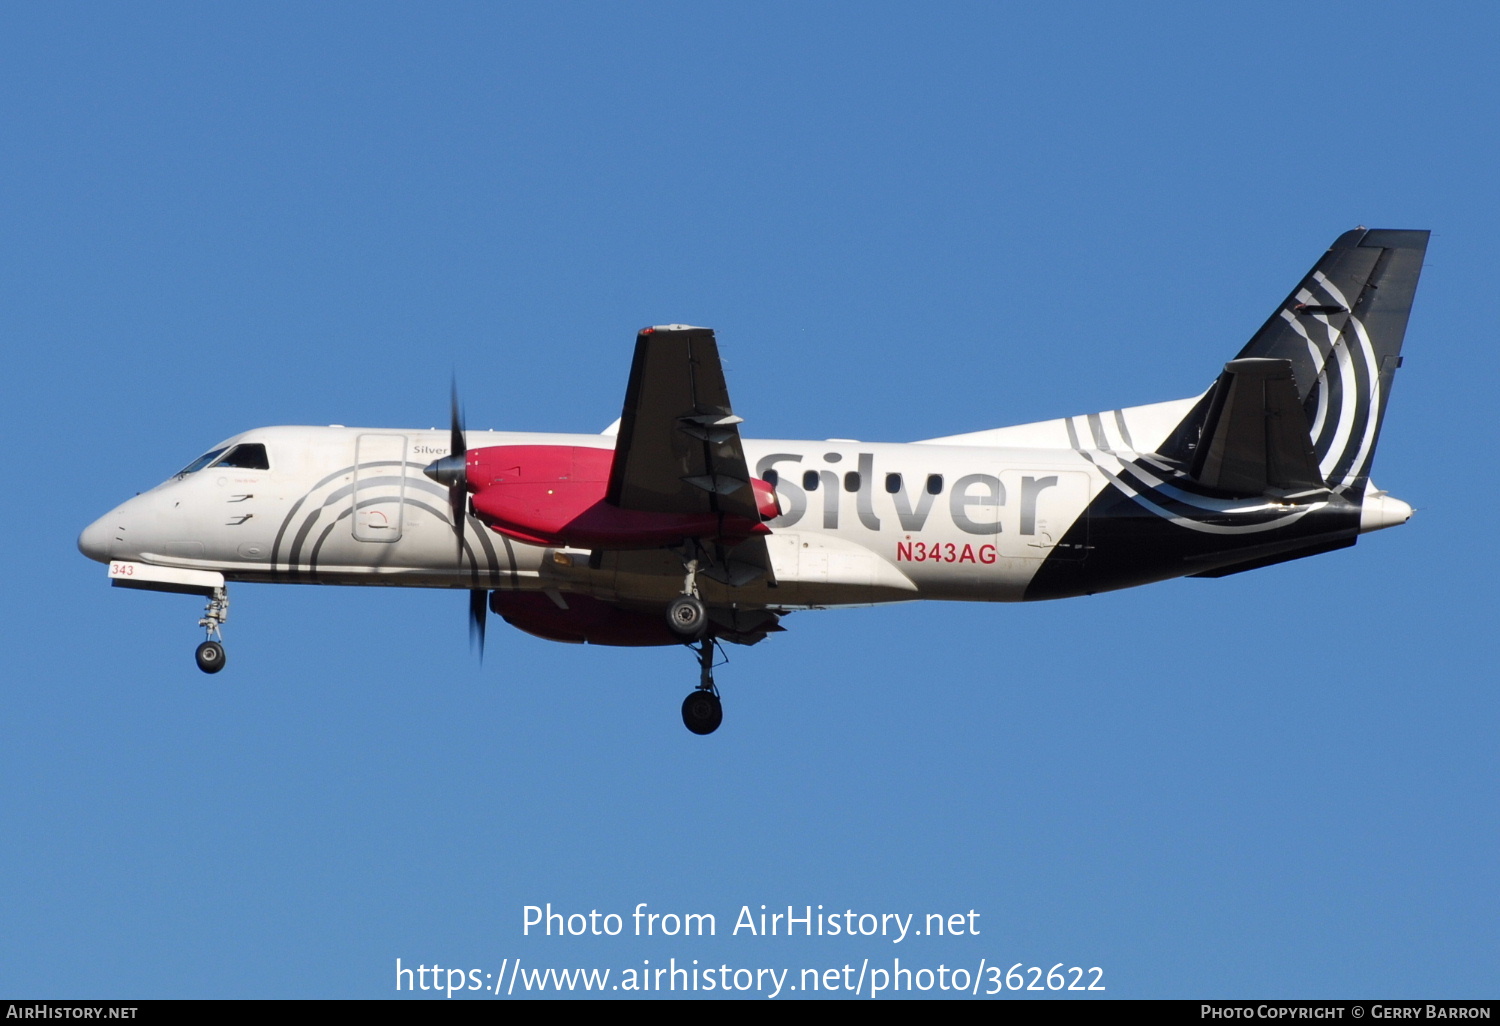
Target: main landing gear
x: 210, y: 654
x: 686, y: 615
x: 701, y: 711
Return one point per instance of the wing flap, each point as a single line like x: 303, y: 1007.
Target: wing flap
x: 747, y: 562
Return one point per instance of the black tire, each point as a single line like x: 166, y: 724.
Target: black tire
x: 701, y: 712
x: 210, y: 656
x: 687, y: 617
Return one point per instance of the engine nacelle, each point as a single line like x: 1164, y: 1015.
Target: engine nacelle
x: 591, y: 620
x: 586, y: 619
x: 555, y: 495
x: 765, y: 499
x: 532, y: 492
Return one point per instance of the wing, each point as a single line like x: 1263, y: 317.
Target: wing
x: 678, y: 449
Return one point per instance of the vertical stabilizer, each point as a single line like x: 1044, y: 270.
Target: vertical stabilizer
x: 1271, y: 463
x: 1341, y: 329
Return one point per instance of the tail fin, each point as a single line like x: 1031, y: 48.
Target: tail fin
x: 1340, y: 331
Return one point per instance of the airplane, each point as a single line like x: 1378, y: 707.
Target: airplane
x: 670, y: 528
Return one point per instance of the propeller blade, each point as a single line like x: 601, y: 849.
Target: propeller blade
x: 456, y: 429
x: 478, y: 609
x: 458, y: 493
x: 458, y: 507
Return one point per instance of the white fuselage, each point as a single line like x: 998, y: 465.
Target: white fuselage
x: 969, y: 517
x: 862, y: 522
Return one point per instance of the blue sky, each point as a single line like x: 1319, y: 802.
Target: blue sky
x: 902, y: 223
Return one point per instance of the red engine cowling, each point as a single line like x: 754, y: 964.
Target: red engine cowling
x: 585, y: 620
x: 765, y: 499
x: 554, y: 495
x: 592, y: 620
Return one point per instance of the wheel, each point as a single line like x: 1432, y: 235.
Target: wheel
x: 701, y: 712
x: 687, y: 617
x: 210, y: 656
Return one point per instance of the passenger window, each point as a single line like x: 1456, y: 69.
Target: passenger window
x: 249, y: 456
x: 810, y: 480
x: 851, y: 481
x: 934, y: 484
x: 771, y: 478
x: 893, y: 483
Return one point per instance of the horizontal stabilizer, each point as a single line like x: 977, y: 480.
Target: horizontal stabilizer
x: 1255, y: 437
x: 1269, y: 555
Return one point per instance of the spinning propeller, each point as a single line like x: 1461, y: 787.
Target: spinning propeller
x: 451, y: 471
x: 479, y: 607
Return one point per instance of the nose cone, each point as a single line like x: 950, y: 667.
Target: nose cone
x: 448, y: 470
x: 95, y: 540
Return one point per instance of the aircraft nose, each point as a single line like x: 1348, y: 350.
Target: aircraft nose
x: 95, y: 540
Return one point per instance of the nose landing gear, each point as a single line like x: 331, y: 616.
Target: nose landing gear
x: 210, y: 654
x: 210, y: 657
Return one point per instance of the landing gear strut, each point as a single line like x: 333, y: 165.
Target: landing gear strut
x: 701, y: 711
x: 210, y: 654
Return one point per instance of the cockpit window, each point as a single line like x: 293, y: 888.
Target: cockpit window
x: 201, y: 462
x: 247, y: 456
